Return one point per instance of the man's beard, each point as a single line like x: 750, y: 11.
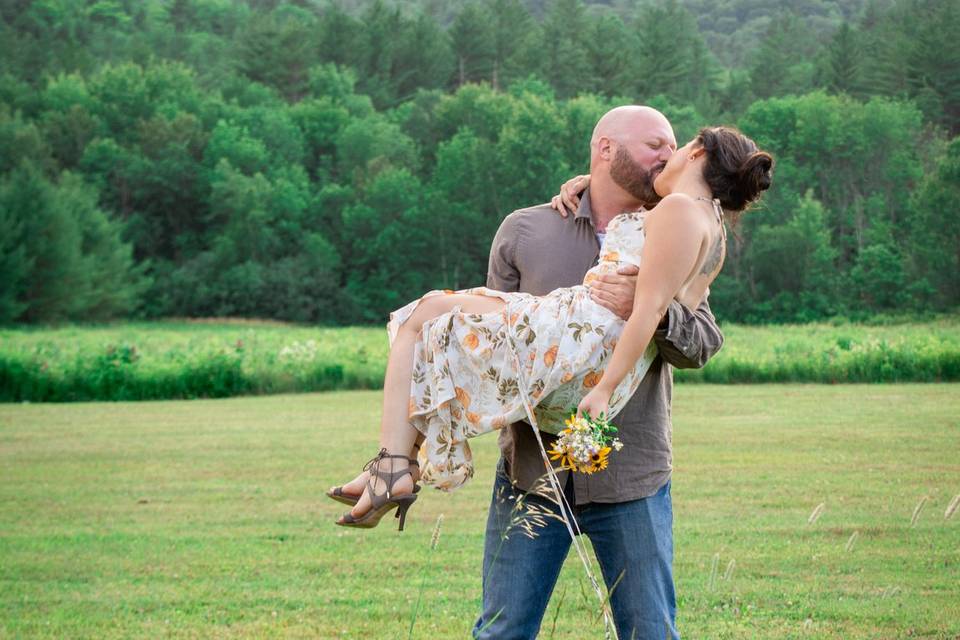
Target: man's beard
x: 633, y: 178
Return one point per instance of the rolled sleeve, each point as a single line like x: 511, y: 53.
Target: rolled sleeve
x: 688, y: 338
x: 503, y: 270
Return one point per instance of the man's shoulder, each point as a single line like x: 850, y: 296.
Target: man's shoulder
x: 538, y: 215
x: 537, y: 209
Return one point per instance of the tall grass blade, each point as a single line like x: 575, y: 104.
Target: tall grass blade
x: 434, y: 539
x: 917, y: 510
x: 817, y: 512
x: 712, y: 581
x: 952, y: 507
x: 852, y: 540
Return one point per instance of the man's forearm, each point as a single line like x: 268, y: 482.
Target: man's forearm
x: 687, y: 339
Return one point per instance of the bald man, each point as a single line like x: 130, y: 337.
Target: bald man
x: 625, y: 510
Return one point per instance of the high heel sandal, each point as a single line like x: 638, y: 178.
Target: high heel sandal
x: 337, y: 493
x: 382, y: 503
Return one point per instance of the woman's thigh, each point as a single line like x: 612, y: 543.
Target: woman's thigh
x: 430, y: 308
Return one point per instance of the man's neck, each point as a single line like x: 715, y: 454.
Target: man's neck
x: 608, y: 200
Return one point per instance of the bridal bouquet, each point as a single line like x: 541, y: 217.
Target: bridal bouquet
x: 585, y: 444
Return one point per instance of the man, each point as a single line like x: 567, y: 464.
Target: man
x: 626, y: 509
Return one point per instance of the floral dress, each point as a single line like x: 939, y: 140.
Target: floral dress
x: 465, y: 374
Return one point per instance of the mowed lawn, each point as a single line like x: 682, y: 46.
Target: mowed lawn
x: 206, y: 519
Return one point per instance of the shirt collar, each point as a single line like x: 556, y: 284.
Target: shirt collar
x: 584, y: 210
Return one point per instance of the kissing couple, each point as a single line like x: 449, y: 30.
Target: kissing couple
x: 589, y: 311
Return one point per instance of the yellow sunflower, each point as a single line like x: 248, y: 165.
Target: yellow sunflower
x: 600, y: 460
x: 559, y: 452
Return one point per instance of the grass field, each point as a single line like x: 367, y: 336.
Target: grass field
x: 167, y: 360
x: 206, y: 519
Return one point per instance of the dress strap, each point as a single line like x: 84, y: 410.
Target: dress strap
x: 717, y: 208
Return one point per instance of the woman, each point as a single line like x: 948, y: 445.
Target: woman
x: 479, y: 355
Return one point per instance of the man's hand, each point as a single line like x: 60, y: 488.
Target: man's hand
x: 615, y: 291
x: 569, y: 196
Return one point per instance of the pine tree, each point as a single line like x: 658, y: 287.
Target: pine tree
x: 15, y: 265
x: 777, y: 67
x: 611, y: 48
x: 278, y: 51
x: 472, y: 40
x: 672, y: 59
x: 564, y: 61
x: 339, y: 34
x: 843, y: 62
x: 512, y: 27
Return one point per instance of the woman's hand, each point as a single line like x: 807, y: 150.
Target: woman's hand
x: 594, y: 403
x: 569, y: 196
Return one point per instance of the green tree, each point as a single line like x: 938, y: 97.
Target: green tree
x: 530, y: 161
x: 376, y: 268
x: 610, y: 48
x: 512, y: 27
x: 935, y: 230
x: 278, y: 48
x: 15, y: 264
x: 68, y: 122
x: 400, y: 55
x: 465, y: 177
x: 78, y: 267
x: 339, y: 33
x: 473, y: 44
x: 793, y: 266
x: 779, y: 66
x: 21, y: 140
x: 843, y: 62
x: 369, y: 145
x: 672, y: 58
x: 563, y: 53
x: 878, y: 276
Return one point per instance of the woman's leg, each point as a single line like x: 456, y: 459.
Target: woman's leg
x: 356, y: 486
x: 397, y: 435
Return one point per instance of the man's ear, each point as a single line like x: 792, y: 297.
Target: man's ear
x: 605, y: 148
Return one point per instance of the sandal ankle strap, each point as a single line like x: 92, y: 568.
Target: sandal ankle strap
x: 380, y: 456
x: 389, y: 478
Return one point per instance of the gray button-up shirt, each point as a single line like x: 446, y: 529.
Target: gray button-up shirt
x: 536, y: 251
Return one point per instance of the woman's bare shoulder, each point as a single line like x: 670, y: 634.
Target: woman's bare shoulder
x: 676, y: 210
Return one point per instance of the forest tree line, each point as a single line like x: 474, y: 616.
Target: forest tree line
x: 299, y: 161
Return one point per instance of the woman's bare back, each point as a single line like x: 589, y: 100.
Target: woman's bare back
x: 710, y: 260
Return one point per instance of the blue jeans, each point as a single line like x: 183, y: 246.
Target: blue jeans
x: 519, y: 573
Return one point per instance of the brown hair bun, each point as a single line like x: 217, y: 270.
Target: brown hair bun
x: 736, y: 171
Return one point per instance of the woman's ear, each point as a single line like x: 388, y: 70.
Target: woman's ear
x: 696, y: 153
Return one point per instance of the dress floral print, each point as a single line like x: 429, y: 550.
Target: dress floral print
x: 465, y: 378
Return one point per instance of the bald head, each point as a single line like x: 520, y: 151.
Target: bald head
x: 624, y: 124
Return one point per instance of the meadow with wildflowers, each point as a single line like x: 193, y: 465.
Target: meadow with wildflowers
x: 221, y: 358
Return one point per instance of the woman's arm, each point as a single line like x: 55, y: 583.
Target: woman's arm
x: 675, y: 233
x: 686, y: 338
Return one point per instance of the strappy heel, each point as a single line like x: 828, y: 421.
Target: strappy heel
x: 337, y: 493
x: 382, y: 503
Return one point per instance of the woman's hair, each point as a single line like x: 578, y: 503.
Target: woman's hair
x: 736, y: 171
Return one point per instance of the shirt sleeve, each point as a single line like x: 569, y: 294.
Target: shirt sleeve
x: 687, y: 339
x: 503, y: 272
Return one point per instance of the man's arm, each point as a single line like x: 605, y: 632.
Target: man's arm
x: 503, y: 273
x: 687, y: 339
